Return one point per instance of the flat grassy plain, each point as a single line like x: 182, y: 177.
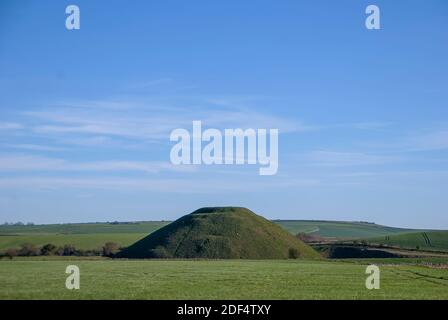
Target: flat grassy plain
x: 44, y: 278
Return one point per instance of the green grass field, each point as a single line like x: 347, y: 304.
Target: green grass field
x: 39, y: 278
x: 429, y: 241
x: 44, y: 277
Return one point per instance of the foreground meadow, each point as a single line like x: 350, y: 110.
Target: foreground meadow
x: 231, y: 279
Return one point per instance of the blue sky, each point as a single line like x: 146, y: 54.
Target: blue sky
x: 85, y: 115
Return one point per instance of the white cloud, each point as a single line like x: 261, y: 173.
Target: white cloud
x: 149, y: 84
x: 106, y: 122
x: 437, y: 140
x: 28, y: 163
x: 186, y: 186
x: 150, y: 124
x: 36, y: 163
x: 34, y: 147
x: 371, y: 125
x: 10, y: 126
x: 338, y: 159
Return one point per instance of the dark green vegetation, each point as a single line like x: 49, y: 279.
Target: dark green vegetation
x: 220, y: 233
x: 346, y: 252
x: 428, y: 241
x: 35, y: 278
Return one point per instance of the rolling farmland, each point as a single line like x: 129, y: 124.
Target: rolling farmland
x: 94, y: 235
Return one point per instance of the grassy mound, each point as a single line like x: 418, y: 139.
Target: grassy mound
x: 220, y: 233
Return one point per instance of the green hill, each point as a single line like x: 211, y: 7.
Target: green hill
x: 431, y: 241
x: 220, y: 233
x: 340, y: 229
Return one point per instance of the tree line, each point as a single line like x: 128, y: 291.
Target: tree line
x: 109, y: 249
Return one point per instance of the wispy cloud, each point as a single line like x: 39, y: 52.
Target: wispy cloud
x: 371, y: 125
x: 34, y: 147
x: 10, y: 126
x: 187, y: 186
x: 436, y: 140
x: 149, y: 84
x: 417, y: 141
x: 34, y: 163
x: 340, y: 159
x: 150, y: 124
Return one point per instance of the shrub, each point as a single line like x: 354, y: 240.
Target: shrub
x: 160, y: 253
x: 59, y: 251
x: 29, y: 249
x: 110, y: 249
x: 10, y: 253
x: 89, y: 253
x: 48, y: 249
x: 67, y: 250
x: 293, y: 253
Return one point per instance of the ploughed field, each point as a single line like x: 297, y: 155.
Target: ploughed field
x: 44, y: 278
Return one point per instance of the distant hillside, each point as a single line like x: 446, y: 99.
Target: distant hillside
x: 430, y: 241
x: 85, y: 228
x: 220, y: 233
x: 340, y: 229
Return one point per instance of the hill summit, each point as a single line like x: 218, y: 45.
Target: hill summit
x: 220, y: 233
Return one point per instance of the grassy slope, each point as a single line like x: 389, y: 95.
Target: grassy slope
x: 339, y: 229
x: 434, y: 240
x: 220, y: 233
x: 230, y: 279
